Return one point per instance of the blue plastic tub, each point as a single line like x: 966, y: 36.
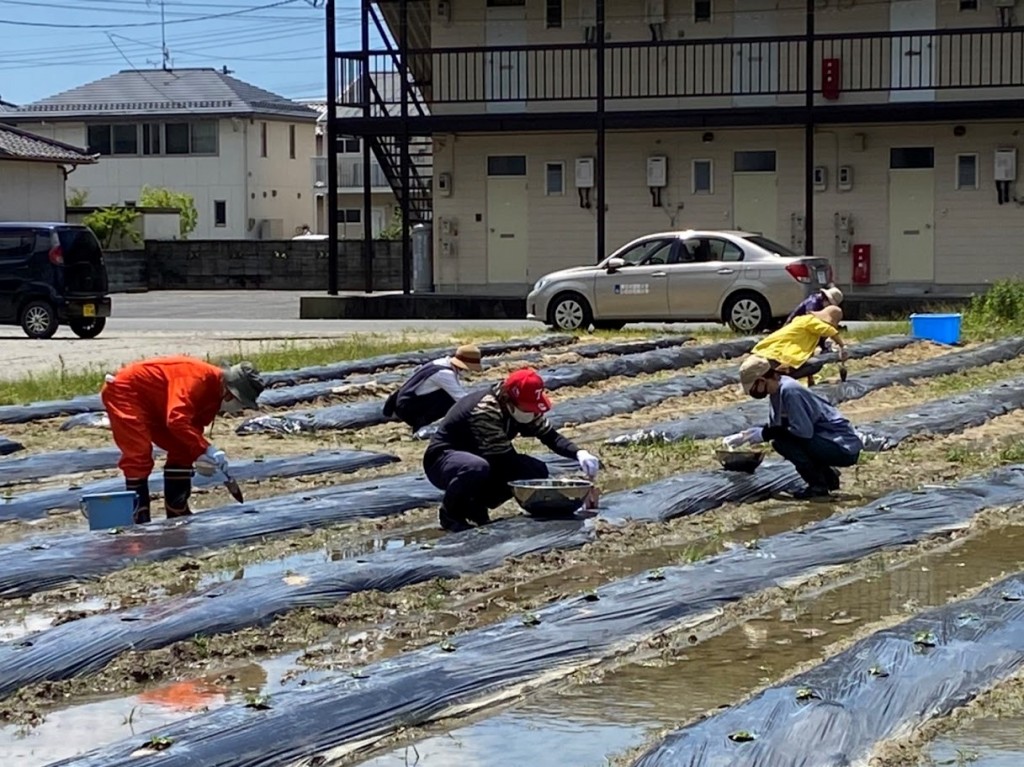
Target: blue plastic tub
x: 110, y: 509
x: 941, y: 328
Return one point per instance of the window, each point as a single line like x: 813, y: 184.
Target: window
x: 351, y: 215
x: 553, y: 14
x: 151, y: 138
x: 720, y: 250
x: 703, y: 177
x: 702, y: 10
x: 506, y: 165
x: 761, y: 161
x: 220, y: 213
x: 291, y: 142
x: 16, y: 244
x: 968, y: 5
x: 903, y: 158
x: 204, y: 138
x: 176, y: 138
x: 647, y: 252
x: 350, y: 145
x: 125, y: 139
x: 967, y: 171
x: 98, y: 139
x: 554, y: 179
x: 263, y: 139
x: 772, y: 247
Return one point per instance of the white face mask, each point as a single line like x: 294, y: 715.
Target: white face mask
x: 231, y: 406
x: 521, y: 416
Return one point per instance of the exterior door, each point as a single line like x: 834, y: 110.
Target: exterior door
x: 505, y: 70
x: 708, y: 269
x: 911, y: 225
x: 638, y: 290
x: 755, y: 65
x: 912, y: 57
x: 755, y: 197
x: 507, y: 214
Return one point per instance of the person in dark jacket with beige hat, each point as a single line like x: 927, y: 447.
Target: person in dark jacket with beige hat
x: 429, y: 393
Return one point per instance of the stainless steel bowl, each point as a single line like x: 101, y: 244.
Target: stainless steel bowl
x: 746, y: 461
x: 556, y: 497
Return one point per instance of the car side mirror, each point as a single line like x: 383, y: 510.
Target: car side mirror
x: 614, y: 264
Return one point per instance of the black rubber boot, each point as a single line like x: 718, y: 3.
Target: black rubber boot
x: 177, y: 490
x: 141, y: 489
x: 451, y: 523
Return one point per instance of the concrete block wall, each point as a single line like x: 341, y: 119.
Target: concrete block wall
x: 248, y: 265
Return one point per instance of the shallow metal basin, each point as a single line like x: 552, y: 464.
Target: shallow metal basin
x: 746, y: 461
x: 556, y: 497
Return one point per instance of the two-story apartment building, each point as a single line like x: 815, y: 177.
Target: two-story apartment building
x: 882, y: 134
x: 241, y: 151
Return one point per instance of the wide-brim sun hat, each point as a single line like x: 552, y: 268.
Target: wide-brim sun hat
x: 753, y: 368
x: 834, y: 295
x: 245, y: 383
x: 468, y: 357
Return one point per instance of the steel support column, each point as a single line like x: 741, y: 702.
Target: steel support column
x: 599, y: 161
x: 809, y: 62
x: 332, y: 151
x: 367, y: 155
x: 406, y: 171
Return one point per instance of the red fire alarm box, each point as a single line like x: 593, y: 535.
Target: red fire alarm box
x: 830, y: 83
x: 861, y: 264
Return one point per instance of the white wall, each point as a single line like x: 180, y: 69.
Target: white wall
x: 253, y: 187
x: 31, y: 191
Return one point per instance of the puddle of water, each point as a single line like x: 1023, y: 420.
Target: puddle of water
x: 16, y: 623
x: 585, y: 725
x: 987, y: 742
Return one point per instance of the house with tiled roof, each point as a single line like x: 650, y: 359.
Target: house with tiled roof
x: 242, y: 152
x: 34, y: 170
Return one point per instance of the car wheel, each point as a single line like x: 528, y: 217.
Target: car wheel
x: 748, y: 313
x: 39, y: 319
x: 88, y: 328
x: 570, y: 311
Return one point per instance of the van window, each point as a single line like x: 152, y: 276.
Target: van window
x: 83, y: 261
x: 16, y: 244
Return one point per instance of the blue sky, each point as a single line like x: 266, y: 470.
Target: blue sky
x: 48, y: 46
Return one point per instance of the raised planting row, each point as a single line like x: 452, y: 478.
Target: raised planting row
x: 8, y: 446
x: 36, y: 504
x: 45, y: 465
x: 34, y: 565
x: 356, y: 415
x: 325, y: 720
x: 720, y: 423
x: 91, y: 403
x: 627, y: 399
x: 293, y: 395
x: 883, y: 685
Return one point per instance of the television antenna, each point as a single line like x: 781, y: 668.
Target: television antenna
x: 165, y: 52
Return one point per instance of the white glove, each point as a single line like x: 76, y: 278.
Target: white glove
x: 589, y: 463
x: 212, y: 461
x: 751, y: 436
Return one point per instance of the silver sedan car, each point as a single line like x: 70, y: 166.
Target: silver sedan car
x: 742, y: 279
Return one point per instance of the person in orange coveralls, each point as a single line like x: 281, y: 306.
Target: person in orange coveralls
x: 168, y: 402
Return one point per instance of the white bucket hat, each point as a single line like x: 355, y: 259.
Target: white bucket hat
x: 834, y: 295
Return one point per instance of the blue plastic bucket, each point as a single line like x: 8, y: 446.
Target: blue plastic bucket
x: 110, y: 509
x: 941, y: 328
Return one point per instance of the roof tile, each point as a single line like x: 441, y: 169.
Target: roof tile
x: 17, y: 144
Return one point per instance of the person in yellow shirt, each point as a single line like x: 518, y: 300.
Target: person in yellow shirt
x: 790, y: 347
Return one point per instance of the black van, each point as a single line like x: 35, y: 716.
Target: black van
x: 52, y: 274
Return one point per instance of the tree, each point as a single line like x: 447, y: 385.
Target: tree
x: 112, y: 224
x: 185, y: 204
x: 77, y: 197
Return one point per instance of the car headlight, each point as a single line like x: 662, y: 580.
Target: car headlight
x: 540, y: 284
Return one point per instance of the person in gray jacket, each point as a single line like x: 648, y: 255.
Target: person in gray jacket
x: 803, y: 428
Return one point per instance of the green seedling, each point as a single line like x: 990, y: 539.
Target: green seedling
x: 258, y: 702
x: 742, y: 736
x: 878, y: 671
x: 447, y: 646
x: 160, y: 743
x: 529, y: 619
x: 924, y: 639
x: 806, y: 693
x: 656, y: 574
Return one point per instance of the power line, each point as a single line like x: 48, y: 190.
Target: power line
x: 207, y: 17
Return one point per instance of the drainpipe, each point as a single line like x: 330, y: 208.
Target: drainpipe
x: 809, y: 60
x: 332, y: 151
x: 599, y: 162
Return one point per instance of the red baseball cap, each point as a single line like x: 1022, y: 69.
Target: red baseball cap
x: 526, y: 390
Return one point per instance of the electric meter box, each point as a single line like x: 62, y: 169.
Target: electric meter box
x: 657, y: 172
x: 1006, y: 165
x: 584, y: 172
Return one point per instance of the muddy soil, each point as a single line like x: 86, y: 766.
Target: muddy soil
x: 416, y: 615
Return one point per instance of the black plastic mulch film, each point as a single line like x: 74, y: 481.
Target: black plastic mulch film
x: 91, y: 403
x: 44, y: 465
x: 355, y: 415
x: 479, y: 666
x: 8, y: 446
x: 720, y: 423
x: 895, y: 679
x: 36, y: 504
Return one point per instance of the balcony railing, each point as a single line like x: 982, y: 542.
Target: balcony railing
x: 876, y: 64
x: 350, y: 174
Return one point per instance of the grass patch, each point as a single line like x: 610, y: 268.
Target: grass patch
x: 996, y: 313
